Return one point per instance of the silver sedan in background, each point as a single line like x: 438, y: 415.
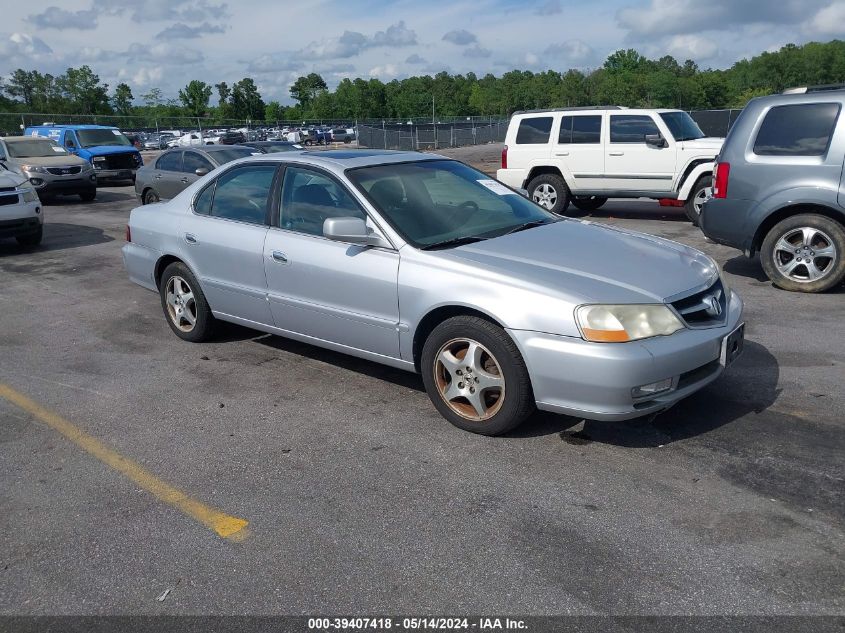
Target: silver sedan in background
x: 426, y: 264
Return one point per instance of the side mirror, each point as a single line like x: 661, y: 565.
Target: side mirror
x: 655, y: 140
x: 523, y: 193
x: 352, y: 230
x: 201, y: 171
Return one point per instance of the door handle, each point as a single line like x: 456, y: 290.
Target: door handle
x: 280, y: 257
x: 190, y: 238
x: 617, y: 153
x: 185, y: 179
x: 561, y: 153
x: 157, y: 177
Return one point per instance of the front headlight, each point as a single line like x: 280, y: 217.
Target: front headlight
x: 36, y: 168
x: 622, y: 323
x: 29, y: 195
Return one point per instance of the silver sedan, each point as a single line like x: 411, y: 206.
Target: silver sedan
x: 423, y: 263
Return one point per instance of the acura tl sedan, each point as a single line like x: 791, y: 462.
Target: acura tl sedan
x: 425, y: 264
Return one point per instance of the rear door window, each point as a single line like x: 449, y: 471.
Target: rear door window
x: 193, y: 161
x: 631, y: 128
x: 170, y: 161
x: 797, y: 130
x: 534, y: 130
x: 243, y: 194
x: 580, y: 130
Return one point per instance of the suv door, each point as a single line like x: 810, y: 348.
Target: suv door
x: 531, y: 144
x: 579, y: 150
x: 343, y: 293
x: 224, y: 240
x: 631, y: 164
x: 168, y: 174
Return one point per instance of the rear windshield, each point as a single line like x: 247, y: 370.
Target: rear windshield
x: 797, y: 130
x: 99, y: 138
x: 233, y: 153
x: 34, y: 149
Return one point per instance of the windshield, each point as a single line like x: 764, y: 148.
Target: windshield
x: 682, y: 126
x: 277, y: 147
x: 430, y: 202
x: 98, y: 138
x: 233, y: 153
x: 34, y: 149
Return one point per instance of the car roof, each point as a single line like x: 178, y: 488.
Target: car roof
x: 349, y: 159
x: 85, y: 126
x: 20, y: 139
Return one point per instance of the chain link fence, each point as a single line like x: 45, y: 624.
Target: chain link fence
x: 430, y: 136
x: 715, y: 122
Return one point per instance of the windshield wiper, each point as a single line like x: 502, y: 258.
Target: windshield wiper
x: 528, y: 225
x: 455, y: 241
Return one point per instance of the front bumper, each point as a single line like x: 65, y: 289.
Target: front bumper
x: 116, y: 174
x: 20, y: 219
x: 595, y: 380
x: 51, y: 184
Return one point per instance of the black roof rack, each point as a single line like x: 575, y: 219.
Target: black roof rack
x: 601, y: 107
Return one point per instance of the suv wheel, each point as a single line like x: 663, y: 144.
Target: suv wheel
x: 550, y: 192
x: 475, y: 376
x: 805, y: 253
x: 588, y: 203
x: 698, y: 196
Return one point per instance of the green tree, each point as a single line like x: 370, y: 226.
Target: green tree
x: 122, y: 99
x: 274, y: 111
x: 246, y: 101
x: 153, y: 98
x: 305, y: 89
x: 195, y: 97
x: 82, y: 88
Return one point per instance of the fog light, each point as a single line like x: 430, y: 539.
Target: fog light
x: 652, y: 388
x: 36, y: 181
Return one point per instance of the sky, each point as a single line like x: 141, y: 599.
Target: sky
x: 166, y: 43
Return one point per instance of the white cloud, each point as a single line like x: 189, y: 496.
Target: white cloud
x: 388, y: 71
x: 695, y: 47
x: 56, y: 18
x: 273, y: 63
x: 477, y: 52
x: 829, y: 21
x: 163, y: 10
x: 415, y: 59
x: 352, y: 43
x: 148, y: 76
x: 165, y: 52
x: 550, y: 7
x: 461, y: 37
x: 395, y: 35
x: 25, y: 45
x: 183, y: 31
x: 570, y: 51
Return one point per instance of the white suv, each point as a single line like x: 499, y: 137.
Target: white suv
x: 587, y: 155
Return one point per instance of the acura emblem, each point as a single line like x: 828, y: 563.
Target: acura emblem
x: 714, y: 308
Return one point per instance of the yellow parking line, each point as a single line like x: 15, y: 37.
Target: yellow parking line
x: 222, y: 524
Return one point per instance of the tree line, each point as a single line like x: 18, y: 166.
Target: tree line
x: 625, y: 78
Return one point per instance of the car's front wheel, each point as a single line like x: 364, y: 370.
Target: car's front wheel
x: 805, y: 253
x: 698, y: 196
x: 184, y: 304
x: 550, y: 192
x: 475, y: 376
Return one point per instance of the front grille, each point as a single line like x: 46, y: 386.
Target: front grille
x: 704, y: 309
x: 64, y: 171
x: 6, y: 200
x: 121, y: 161
x: 2, y: 189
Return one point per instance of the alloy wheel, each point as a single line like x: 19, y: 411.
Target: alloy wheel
x: 181, y: 305
x: 805, y: 254
x: 700, y: 198
x: 469, y: 379
x: 545, y: 195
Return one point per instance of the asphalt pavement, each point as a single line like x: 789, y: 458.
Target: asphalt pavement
x: 360, y: 498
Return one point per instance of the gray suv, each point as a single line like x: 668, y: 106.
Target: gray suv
x: 779, y: 188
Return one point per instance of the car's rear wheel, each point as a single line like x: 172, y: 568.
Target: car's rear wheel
x: 89, y: 194
x: 184, y: 304
x: 588, y: 203
x: 805, y: 253
x: 475, y: 376
x: 550, y: 192
x: 31, y: 239
x: 151, y: 196
x: 698, y: 196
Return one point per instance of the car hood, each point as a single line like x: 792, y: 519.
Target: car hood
x: 10, y: 179
x: 59, y: 160
x: 105, y: 150
x: 706, y: 143
x: 586, y: 262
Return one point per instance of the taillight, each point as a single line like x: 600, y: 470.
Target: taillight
x: 505, y: 157
x: 128, y: 234
x: 720, y: 180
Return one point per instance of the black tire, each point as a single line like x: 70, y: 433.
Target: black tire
x: 518, y: 398
x: 588, y: 203
x: 31, y: 239
x: 828, y: 234
x: 151, y: 196
x: 88, y: 195
x: 698, y: 189
x: 204, y: 322
x: 562, y: 197
x: 347, y: 140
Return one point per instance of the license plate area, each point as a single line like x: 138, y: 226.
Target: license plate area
x: 732, y: 346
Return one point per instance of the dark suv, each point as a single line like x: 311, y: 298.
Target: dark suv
x: 779, y: 188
